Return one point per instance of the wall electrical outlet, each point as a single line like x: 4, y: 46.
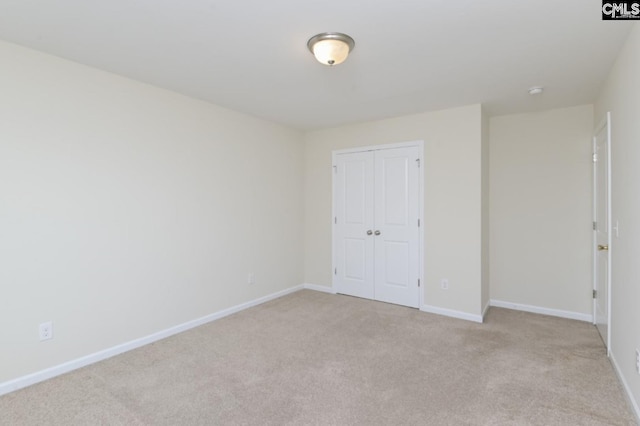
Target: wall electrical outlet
x: 251, y: 278
x: 444, y: 284
x: 46, y: 330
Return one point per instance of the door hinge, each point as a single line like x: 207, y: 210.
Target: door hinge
x: 418, y: 162
x: 418, y: 282
x: 595, y: 157
x: 335, y: 271
x: 335, y: 169
x: 595, y: 294
x: 335, y: 220
x: 418, y: 223
x: 595, y: 225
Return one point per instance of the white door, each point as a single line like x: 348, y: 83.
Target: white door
x: 353, y: 224
x: 602, y: 228
x: 376, y: 225
x: 396, y: 232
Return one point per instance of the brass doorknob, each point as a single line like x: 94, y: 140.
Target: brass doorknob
x: 603, y: 247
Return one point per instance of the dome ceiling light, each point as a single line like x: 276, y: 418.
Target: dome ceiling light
x: 331, y: 48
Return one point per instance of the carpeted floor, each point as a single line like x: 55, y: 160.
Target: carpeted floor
x: 314, y: 358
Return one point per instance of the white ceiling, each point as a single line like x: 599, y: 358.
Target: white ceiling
x: 410, y: 55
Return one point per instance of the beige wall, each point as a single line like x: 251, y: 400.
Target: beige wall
x: 621, y: 96
x: 452, y: 194
x: 541, y: 209
x: 126, y: 209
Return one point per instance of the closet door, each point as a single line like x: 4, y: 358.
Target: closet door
x: 376, y: 231
x: 353, y: 224
x: 396, y: 214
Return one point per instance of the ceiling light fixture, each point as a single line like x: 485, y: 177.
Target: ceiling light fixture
x: 331, y: 48
x: 536, y: 90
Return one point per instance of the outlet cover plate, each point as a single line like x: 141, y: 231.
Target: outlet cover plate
x: 46, y: 330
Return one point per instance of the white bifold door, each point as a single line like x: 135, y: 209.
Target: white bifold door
x: 377, y: 224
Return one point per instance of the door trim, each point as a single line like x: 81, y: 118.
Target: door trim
x: 420, y: 145
x: 605, y: 122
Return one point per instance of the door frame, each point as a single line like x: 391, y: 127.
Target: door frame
x: 605, y: 122
x: 421, y: 185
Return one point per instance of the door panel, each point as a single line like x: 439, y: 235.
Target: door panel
x: 395, y: 187
x: 396, y: 258
x: 355, y: 255
x: 353, y: 218
x: 396, y: 217
x: 355, y: 182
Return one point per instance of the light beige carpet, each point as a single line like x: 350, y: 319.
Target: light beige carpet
x: 313, y: 358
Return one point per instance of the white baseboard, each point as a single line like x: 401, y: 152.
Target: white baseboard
x: 544, y: 311
x: 625, y: 385
x: 424, y: 308
x: 321, y: 288
x: 39, y: 376
x: 485, y: 310
x: 451, y: 313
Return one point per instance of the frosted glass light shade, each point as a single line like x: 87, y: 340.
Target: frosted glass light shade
x: 331, y: 52
x: 331, y: 48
